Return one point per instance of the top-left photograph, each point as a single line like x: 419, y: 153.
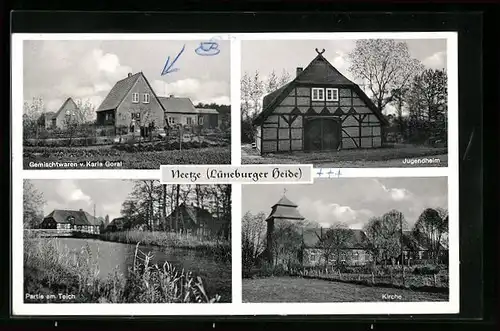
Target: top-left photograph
x: 125, y: 104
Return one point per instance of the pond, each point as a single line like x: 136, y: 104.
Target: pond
x: 216, y: 274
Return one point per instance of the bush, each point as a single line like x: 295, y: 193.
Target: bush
x: 426, y: 270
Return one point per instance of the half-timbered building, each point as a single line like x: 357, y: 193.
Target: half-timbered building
x: 319, y: 110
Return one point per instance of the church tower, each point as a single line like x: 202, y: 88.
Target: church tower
x: 284, y: 209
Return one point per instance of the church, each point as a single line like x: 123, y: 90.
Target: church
x: 319, y: 110
x: 355, y: 250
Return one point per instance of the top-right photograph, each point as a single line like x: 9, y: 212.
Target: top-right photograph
x: 345, y: 103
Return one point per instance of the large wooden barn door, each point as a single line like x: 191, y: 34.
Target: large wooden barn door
x: 321, y: 134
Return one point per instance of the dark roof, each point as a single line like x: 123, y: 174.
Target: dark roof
x: 177, y: 105
x: 285, y: 209
x: 48, y: 115
x: 207, y: 111
x: 284, y: 201
x: 80, y: 217
x: 196, y: 213
x: 120, y: 91
x: 412, y: 242
x: 357, y: 238
x: 319, y: 71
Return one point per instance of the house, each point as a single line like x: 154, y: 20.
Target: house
x: 318, y: 110
x: 71, y: 221
x: 419, y: 249
x: 193, y: 219
x: 68, y: 114
x: 117, y: 224
x: 132, y: 107
x: 353, y: 247
x: 209, y: 118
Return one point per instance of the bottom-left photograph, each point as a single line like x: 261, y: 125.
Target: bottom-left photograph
x: 126, y: 241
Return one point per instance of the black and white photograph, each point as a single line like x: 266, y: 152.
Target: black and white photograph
x: 126, y: 241
x: 345, y: 103
x: 125, y: 104
x: 346, y: 240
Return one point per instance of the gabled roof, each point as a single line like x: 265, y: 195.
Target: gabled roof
x: 196, y: 213
x: 69, y: 103
x: 48, y: 115
x: 357, y: 238
x: 319, y: 71
x: 178, y: 105
x: 284, y: 201
x: 80, y: 217
x: 207, y: 111
x: 121, y: 90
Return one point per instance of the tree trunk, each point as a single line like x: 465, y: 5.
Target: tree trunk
x: 164, y: 204
x: 176, y: 225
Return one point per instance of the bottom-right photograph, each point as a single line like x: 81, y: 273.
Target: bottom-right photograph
x: 346, y: 240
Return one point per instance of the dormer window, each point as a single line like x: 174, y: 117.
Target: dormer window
x: 318, y: 94
x: 135, y: 97
x: 332, y: 94
x: 145, y: 98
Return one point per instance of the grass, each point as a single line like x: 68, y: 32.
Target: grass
x: 50, y: 271
x: 130, y: 160
x: 295, y: 289
x: 217, y: 247
x: 351, y: 157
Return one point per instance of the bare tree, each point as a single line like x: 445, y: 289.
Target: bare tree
x: 33, y: 202
x: 246, y: 95
x: 284, y: 78
x: 272, y: 82
x: 253, y: 229
x: 334, y: 242
x: 386, y: 65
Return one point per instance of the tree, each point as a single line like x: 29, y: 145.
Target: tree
x: 253, y: 229
x: 272, y: 82
x: 33, y: 202
x: 87, y: 110
x: 334, y: 242
x: 286, y: 242
x: 386, y: 65
x: 373, y: 231
x: 257, y: 92
x: 246, y: 95
x: 430, y: 228
x: 32, y: 117
x: 284, y: 78
x: 106, y: 220
x: 428, y: 104
x: 392, y: 225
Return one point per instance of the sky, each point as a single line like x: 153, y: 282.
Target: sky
x: 107, y: 195
x: 55, y: 70
x: 352, y: 201
x: 266, y: 56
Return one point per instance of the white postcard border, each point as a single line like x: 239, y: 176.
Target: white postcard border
x: 236, y: 307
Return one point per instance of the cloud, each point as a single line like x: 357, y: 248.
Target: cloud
x: 195, y: 89
x: 327, y: 213
x: 436, y: 60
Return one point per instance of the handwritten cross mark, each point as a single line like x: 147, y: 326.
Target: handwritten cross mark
x: 168, y: 66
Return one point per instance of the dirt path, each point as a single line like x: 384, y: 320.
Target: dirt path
x: 291, y: 289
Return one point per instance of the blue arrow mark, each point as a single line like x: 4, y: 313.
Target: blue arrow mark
x: 167, y: 69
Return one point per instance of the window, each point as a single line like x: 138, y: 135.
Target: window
x: 189, y: 120
x: 200, y: 120
x: 136, y: 116
x: 171, y: 120
x: 135, y: 97
x: 145, y: 98
x: 332, y: 94
x: 318, y: 94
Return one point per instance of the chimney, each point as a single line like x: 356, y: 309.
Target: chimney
x: 129, y: 74
x: 299, y: 70
x: 81, y: 209
x: 171, y: 95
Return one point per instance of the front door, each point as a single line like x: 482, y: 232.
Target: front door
x: 321, y: 134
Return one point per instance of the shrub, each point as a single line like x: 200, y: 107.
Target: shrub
x: 426, y: 270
